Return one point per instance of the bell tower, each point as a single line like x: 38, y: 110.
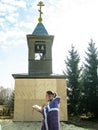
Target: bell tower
x: 40, y: 48
x: 31, y: 87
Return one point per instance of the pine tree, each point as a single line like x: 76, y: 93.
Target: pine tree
x: 72, y: 73
x: 90, y: 80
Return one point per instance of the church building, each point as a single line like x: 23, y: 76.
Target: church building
x: 30, y: 88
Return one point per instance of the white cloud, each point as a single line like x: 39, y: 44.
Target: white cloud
x: 11, y: 6
x: 25, y: 25
x: 12, y: 38
x: 1, y: 20
x: 12, y: 18
x: 20, y: 3
x: 6, y: 8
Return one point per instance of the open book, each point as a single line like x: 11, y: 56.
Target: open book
x: 37, y: 108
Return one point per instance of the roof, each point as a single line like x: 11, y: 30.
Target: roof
x: 40, y: 30
x: 60, y: 76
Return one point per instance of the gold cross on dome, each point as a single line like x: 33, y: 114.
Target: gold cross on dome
x: 40, y: 11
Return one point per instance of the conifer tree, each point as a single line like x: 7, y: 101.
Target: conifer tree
x: 90, y: 80
x: 72, y: 73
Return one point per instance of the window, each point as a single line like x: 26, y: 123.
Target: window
x: 40, y: 51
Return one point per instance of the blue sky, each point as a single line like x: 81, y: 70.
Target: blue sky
x: 70, y: 21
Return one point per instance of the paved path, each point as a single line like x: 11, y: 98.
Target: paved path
x: 9, y: 125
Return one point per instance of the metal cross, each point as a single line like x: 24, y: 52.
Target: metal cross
x: 40, y: 11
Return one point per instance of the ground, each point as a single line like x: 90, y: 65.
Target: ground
x: 8, y: 124
x: 90, y: 124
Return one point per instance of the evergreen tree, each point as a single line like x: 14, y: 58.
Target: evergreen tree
x: 90, y: 80
x: 72, y: 73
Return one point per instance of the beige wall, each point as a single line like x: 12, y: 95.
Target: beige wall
x: 29, y: 92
